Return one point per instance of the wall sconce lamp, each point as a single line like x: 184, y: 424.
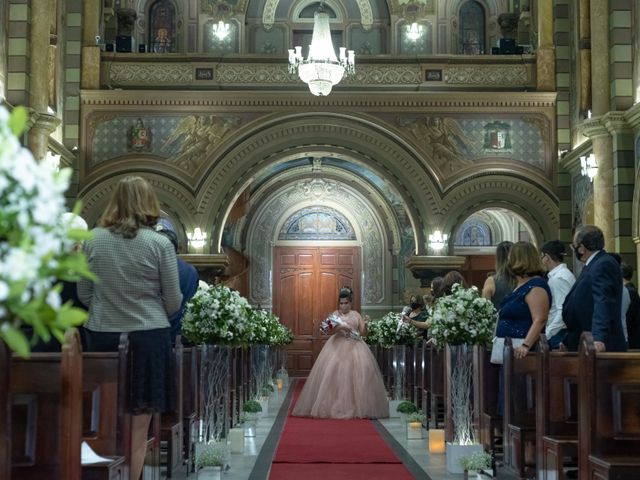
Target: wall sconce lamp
x: 221, y: 29
x: 197, y: 238
x: 414, y: 31
x: 52, y: 160
x: 589, y: 166
x: 437, y: 240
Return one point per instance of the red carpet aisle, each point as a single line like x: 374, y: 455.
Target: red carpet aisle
x: 313, y: 449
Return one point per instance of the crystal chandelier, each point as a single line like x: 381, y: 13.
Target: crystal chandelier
x: 321, y: 70
x: 414, y: 31
x: 221, y: 30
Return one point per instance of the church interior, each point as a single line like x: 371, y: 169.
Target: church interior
x: 436, y: 130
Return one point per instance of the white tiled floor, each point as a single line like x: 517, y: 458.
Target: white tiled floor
x: 242, y: 465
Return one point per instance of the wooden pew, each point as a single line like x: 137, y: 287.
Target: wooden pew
x: 556, y: 410
x: 609, y: 413
x: 519, y: 417
x: 436, y: 388
x: 171, y: 431
x: 485, y: 388
x: 41, y: 422
x: 106, y: 424
x: 418, y: 363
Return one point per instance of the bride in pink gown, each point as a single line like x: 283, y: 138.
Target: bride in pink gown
x: 345, y: 381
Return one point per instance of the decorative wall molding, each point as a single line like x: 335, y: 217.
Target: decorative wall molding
x: 150, y: 73
x: 267, y: 101
x: 494, y: 75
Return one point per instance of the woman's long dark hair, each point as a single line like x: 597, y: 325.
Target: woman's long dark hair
x: 346, y: 292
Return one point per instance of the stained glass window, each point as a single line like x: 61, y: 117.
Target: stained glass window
x: 472, y: 23
x: 162, y: 27
x: 317, y: 223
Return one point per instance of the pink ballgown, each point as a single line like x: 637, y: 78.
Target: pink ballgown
x: 345, y: 381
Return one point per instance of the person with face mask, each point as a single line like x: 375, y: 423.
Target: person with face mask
x: 594, y: 302
x: 417, y: 316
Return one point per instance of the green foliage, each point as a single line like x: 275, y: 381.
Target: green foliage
x: 252, y: 406
x: 390, y: 330
x: 266, y: 390
x: 36, y: 244
x: 210, y: 456
x: 417, y: 416
x: 406, y: 407
x: 476, y: 461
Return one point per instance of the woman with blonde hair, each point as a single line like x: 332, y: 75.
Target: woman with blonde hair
x: 138, y: 289
x: 524, y: 311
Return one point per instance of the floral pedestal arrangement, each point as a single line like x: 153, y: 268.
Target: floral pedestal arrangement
x: 210, y: 460
x: 460, y: 321
x: 209, y: 473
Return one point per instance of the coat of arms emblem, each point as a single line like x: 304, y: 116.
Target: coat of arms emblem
x: 139, y: 137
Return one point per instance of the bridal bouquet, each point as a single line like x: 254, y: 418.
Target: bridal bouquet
x: 331, y: 322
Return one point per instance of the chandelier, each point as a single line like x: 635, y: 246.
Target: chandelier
x: 322, y: 69
x: 414, y: 31
x: 221, y: 30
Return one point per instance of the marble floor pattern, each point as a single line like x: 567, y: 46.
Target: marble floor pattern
x: 254, y: 464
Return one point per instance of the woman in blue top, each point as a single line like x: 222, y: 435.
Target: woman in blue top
x: 524, y: 312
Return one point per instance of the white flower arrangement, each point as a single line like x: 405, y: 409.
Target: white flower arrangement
x: 267, y: 329
x: 464, y: 317
x: 35, y: 243
x: 217, y: 315
x: 390, y: 331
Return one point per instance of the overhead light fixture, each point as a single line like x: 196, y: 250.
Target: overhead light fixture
x: 414, y: 31
x: 437, y: 240
x: 221, y: 29
x: 322, y: 69
x: 589, y: 166
x: 197, y: 238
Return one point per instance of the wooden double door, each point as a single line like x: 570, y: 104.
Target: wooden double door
x: 306, y: 284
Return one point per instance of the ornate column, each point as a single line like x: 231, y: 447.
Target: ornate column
x: 602, y: 143
x: 633, y: 119
x: 601, y: 90
x: 546, y: 52
x: 90, y: 76
x: 584, y: 46
x: 42, y: 122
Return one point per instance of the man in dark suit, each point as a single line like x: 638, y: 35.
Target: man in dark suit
x: 594, y: 302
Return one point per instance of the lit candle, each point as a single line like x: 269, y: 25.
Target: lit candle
x: 414, y: 431
x: 436, y: 441
x: 236, y: 437
x: 279, y: 383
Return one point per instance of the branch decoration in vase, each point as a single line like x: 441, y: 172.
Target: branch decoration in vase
x: 459, y: 321
x: 36, y: 243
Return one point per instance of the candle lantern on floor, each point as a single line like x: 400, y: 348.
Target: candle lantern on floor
x: 436, y: 441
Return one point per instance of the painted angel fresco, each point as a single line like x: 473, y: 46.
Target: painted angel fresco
x: 196, y: 136
x: 444, y: 141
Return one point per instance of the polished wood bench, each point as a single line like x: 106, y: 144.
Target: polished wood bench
x: 41, y: 422
x: 609, y: 413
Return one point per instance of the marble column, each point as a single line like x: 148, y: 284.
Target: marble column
x: 43, y: 123
x: 602, y: 144
x: 545, y: 52
x: 600, y: 85
x: 90, y: 73
x: 584, y: 46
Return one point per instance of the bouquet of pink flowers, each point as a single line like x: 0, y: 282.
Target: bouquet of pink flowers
x: 332, y: 321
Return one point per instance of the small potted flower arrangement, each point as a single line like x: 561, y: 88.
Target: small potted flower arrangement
x: 474, y: 464
x: 249, y: 418
x: 415, y: 421
x: 405, y: 408
x: 209, y: 463
x: 265, y: 393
